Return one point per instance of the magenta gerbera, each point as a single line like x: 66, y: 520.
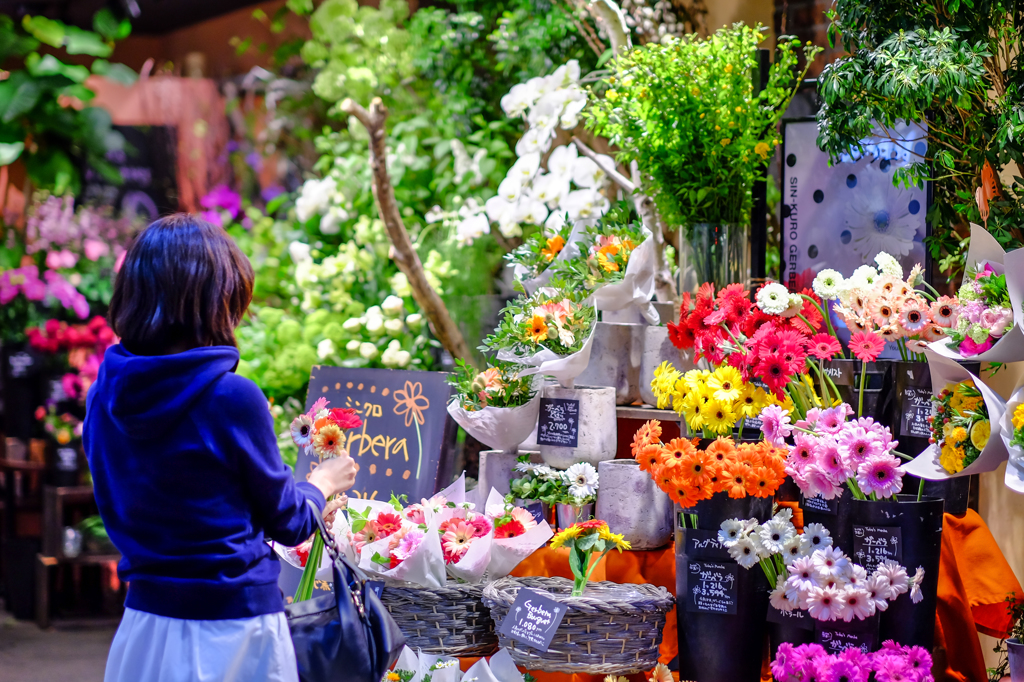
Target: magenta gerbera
x: 880, y: 474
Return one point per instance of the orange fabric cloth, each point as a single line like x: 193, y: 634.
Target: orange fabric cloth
x: 973, y: 583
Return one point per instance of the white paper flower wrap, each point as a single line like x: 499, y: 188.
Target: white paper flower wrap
x: 340, y: 531
x: 507, y: 553
x: 564, y: 368
x: 470, y: 568
x: 1010, y: 347
x: 1014, y: 477
x: 926, y: 465
x: 501, y: 428
x: 636, y: 288
x: 424, y: 566
x: 569, y: 251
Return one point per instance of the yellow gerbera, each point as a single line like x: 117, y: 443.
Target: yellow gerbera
x: 538, y: 330
x: 570, y: 533
x: 718, y: 417
x: 614, y: 538
x: 726, y: 384
x: 980, y: 433
x: 1018, y: 417
x: 748, y: 405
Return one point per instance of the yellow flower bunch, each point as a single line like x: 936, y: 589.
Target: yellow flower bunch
x: 711, y: 402
x: 961, y: 426
x: 582, y: 540
x: 1018, y: 426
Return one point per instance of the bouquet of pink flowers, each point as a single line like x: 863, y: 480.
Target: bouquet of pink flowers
x: 983, y: 314
x: 893, y: 662
x: 828, y: 452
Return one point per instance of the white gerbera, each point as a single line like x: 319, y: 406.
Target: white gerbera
x: 896, y: 575
x: 773, y: 298
x: 546, y: 473
x: 731, y: 532
x: 744, y: 552
x: 863, y: 277
x: 817, y: 536
x: 857, y: 603
x: 775, y: 534
x: 828, y: 284
x: 831, y: 564
x: 794, y: 548
x: 526, y: 467
x: 582, y: 480
x: 778, y: 597
x: 825, y: 603
x: 877, y: 587
x: 889, y: 265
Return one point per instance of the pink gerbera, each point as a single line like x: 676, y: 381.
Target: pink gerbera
x: 866, y: 346
x: 831, y: 420
x: 857, y: 444
x: 524, y: 518
x: 880, y: 474
x: 775, y: 424
x: 456, y: 540
x: 481, y: 526
x: 824, y: 346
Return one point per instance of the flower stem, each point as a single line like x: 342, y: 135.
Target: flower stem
x: 863, y: 377
x: 920, y: 489
x: 828, y: 323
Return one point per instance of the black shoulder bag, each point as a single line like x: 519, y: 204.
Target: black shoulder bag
x: 347, y: 636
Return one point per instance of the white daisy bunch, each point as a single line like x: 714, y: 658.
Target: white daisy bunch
x: 829, y: 586
x: 774, y: 299
x: 582, y: 482
x: 774, y: 544
x: 569, y: 188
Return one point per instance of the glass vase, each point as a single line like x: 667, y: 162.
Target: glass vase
x: 713, y: 252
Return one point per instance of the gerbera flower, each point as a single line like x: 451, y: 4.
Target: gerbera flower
x: 650, y: 458
x: 817, y: 536
x: 764, y: 482
x: 912, y: 317
x: 457, y: 539
x: 794, y: 548
x: 582, y: 480
x: 510, y: 529
x: 824, y: 346
x: 695, y: 468
x: 866, y: 346
x: 684, y: 495
x: 647, y: 434
x: 329, y: 441
x: 675, y: 452
x: 775, y: 533
x: 943, y: 311
x: 877, y: 588
x: 302, y: 430
x: 738, y: 479
x: 481, y: 526
x: 830, y: 563
x: 880, y: 474
x: 409, y: 543
x: 744, y: 552
x: 775, y: 424
x: 726, y: 383
x: 825, y: 603
x: 774, y: 372
x: 857, y: 603
x: 553, y: 248
x: 524, y: 517
x: 538, y: 330
x: 346, y: 418
x: 718, y: 417
x: 387, y: 524
x: 828, y: 284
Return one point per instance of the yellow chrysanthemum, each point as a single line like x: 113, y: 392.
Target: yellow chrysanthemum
x: 957, y: 435
x: 1018, y: 417
x: 952, y: 459
x: 726, y: 384
x: 980, y: 433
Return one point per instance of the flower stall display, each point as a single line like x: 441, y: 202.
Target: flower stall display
x: 84, y: 345
x: 497, y: 406
x: 712, y: 403
x: 551, y: 331
x: 535, y: 260
x: 984, y: 316
x: 616, y: 262
x: 690, y: 475
x: 830, y: 451
x: 893, y: 662
x: 966, y: 425
x: 808, y: 573
x: 583, y: 540
x: 23, y: 291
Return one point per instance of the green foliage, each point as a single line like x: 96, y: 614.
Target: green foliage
x: 953, y: 64
x: 604, y: 251
x: 500, y: 385
x: 44, y: 115
x: 686, y: 111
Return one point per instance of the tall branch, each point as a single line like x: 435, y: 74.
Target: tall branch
x: 404, y: 254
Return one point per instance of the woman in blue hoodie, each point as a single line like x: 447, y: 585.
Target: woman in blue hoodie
x: 187, y: 474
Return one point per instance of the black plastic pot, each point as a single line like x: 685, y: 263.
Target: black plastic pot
x: 846, y: 375
x: 920, y: 525
x: 21, y: 369
x: 721, y: 646
x: 834, y: 515
x: 796, y: 628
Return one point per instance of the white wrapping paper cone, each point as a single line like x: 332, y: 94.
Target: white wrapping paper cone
x: 1010, y: 347
x: 636, y: 288
x: 926, y: 465
x: 507, y: 553
x: 1014, y: 478
x: 449, y: 673
x: 479, y: 672
x: 564, y: 369
x: 504, y: 668
x: 501, y: 428
x: 424, y: 567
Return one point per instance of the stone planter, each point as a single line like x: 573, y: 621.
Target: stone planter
x: 615, y: 360
x: 595, y: 430
x: 568, y: 514
x: 497, y: 468
x: 631, y: 504
x: 657, y: 349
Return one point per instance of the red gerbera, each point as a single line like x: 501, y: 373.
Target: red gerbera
x: 388, y: 524
x: 825, y: 346
x: 772, y: 370
x: 509, y: 529
x: 395, y: 561
x: 302, y: 552
x: 681, y: 335
x: 346, y: 418
x: 866, y: 346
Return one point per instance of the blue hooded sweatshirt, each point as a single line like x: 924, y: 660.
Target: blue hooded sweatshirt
x: 190, y: 483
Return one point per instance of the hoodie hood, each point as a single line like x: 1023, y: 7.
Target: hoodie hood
x: 145, y: 395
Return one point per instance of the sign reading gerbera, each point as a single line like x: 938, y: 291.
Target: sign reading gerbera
x: 398, y: 445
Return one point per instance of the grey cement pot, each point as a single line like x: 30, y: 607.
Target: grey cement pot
x: 497, y: 468
x: 596, y: 434
x: 657, y: 349
x: 615, y: 360
x: 631, y: 504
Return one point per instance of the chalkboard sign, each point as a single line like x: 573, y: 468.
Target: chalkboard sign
x: 148, y: 165
x: 821, y: 505
x: 559, y: 422
x: 711, y: 586
x: 874, y: 544
x: 840, y: 373
x: 797, y: 617
x: 536, y: 509
x: 704, y: 544
x: 838, y: 636
x: 914, y: 412
x: 533, y: 619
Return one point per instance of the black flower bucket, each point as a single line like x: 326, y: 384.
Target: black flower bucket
x: 845, y: 374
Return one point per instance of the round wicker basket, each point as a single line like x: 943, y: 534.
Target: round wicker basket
x: 451, y: 621
x: 612, y: 629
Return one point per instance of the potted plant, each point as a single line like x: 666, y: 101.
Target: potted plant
x: 1015, y: 642
x: 685, y: 109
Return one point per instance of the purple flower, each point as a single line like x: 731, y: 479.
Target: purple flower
x: 223, y: 197
x: 269, y: 193
x: 212, y: 217
x: 840, y: 670
x: 66, y: 293
x: 880, y: 474
x: 255, y: 161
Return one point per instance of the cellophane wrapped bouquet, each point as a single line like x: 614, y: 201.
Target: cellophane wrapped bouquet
x: 983, y: 313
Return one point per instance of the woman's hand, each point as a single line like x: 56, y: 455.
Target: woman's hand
x: 332, y: 507
x: 334, y: 475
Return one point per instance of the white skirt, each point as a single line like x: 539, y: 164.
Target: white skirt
x: 150, y: 648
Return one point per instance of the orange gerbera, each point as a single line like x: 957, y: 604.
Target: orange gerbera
x: 649, y: 458
x: 538, y: 329
x: 664, y: 478
x: 553, y: 248
x: 685, y: 496
x: 695, y: 468
x: 764, y: 482
x: 648, y: 434
x: 737, y: 479
x: 722, y: 449
x: 675, y: 451
x: 747, y: 454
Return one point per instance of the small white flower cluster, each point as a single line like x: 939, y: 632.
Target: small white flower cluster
x: 323, y: 198
x: 581, y: 478
x: 529, y: 195
x: 830, y: 285
x: 774, y: 299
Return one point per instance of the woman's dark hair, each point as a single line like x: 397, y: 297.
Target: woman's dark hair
x: 184, y: 283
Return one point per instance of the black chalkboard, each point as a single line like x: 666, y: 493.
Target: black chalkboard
x: 536, y: 509
x: 874, y: 544
x: 711, y: 586
x: 704, y: 544
x: 149, y: 167
x: 841, y: 373
x: 796, y: 617
x: 915, y: 409
x: 559, y: 422
x: 821, y: 505
x: 533, y: 619
x: 838, y: 636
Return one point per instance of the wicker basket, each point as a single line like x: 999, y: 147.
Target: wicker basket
x: 613, y: 629
x: 450, y: 621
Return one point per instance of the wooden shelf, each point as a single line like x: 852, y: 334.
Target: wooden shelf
x: 81, y: 559
x: 645, y: 412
